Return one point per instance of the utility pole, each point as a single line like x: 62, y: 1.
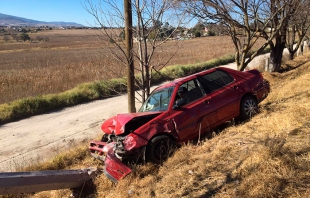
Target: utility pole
x: 130, y: 65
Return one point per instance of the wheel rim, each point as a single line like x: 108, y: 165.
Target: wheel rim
x: 250, y: 108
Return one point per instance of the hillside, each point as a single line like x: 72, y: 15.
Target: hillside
x: 9, y: 20
x: 268, y: 156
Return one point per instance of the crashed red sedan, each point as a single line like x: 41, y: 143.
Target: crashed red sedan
x: 176, y: 112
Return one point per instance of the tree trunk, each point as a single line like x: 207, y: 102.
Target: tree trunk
x: 241, y: 66
x: 240, y: 61
x: 292, y: 55
x: 276, y: 54
x: 302, y: 48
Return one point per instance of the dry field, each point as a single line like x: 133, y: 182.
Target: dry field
x: 72, y: 57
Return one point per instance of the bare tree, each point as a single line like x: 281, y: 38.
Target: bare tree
x: 298, y: 28
x: 15, y: 37
x: 150, y: 30
x: 247, y: 21
x: 281, y: 19
x: 6, y: 38
x: 39, y: 38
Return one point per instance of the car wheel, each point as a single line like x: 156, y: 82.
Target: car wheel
x: 248, y: 108
x: 159, y: 149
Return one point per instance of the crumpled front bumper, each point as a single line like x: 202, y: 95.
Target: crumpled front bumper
x: 114, y: 168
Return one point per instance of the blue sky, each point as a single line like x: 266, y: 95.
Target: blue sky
x: 48, y: 10
x: 54, y: 10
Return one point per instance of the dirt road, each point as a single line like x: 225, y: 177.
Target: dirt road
x: 41, y: 137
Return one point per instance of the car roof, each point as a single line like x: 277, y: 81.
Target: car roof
x: 192, y: 76
x: 186, y: 78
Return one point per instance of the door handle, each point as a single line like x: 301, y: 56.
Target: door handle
x: 207, y: 100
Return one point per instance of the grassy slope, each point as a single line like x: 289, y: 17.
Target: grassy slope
x: 268, y: 156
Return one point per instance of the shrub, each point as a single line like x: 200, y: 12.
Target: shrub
x: 24, y: 37
x: 211, y: 33
x: 197, y: 34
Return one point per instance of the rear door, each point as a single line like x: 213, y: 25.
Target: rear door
x: 223, y: 92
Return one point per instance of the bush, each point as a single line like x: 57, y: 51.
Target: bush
x: 211, y: 33
x: 24, y: 37
x: 197, y: 34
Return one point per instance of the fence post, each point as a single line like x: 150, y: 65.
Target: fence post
x: 267, y: 64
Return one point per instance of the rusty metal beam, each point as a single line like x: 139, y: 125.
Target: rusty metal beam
x: 36, y: 181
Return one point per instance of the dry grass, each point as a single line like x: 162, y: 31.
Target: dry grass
x: 268, y: 156
x: 72, y: 57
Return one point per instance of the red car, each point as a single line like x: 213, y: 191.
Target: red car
x: 176, y: 112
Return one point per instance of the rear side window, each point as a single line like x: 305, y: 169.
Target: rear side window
x: 215, y: 80
x: 226, y: 77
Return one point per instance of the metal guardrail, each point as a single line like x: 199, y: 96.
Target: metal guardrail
x: 36, y: 181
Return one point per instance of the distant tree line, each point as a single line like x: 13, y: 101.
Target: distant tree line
x: 24, y: 37
x: 21, y: 34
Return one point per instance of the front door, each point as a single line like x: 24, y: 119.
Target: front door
x: 196, y: 117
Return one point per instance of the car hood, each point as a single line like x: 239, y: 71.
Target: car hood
x: 125, y: 123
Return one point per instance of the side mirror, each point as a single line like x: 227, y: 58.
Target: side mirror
x: 179, y: 103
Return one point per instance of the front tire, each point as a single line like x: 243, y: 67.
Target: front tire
x: 248, y: 108
x: 159, y: 149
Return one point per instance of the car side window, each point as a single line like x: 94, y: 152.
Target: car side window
x: 225, y: 76
x: 193, y: 91
x: 215, y: 80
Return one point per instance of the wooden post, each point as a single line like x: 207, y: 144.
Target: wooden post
x: 130, y: 65
x: 267, y: 64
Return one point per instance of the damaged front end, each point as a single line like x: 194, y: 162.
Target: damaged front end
x: 114, y: 168
x: 120, y: 143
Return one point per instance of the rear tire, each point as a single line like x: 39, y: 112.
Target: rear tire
x: 248, y: 108
x: 159, y: 149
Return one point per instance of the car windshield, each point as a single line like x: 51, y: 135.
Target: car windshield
x: 158, y: 100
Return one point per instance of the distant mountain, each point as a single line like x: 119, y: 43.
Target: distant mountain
x: 9, y: 20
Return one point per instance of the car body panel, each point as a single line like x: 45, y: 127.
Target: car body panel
x: 194, y: 117
x: 117, y: 123
x: 219, y: 92
x: 114, y: 168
